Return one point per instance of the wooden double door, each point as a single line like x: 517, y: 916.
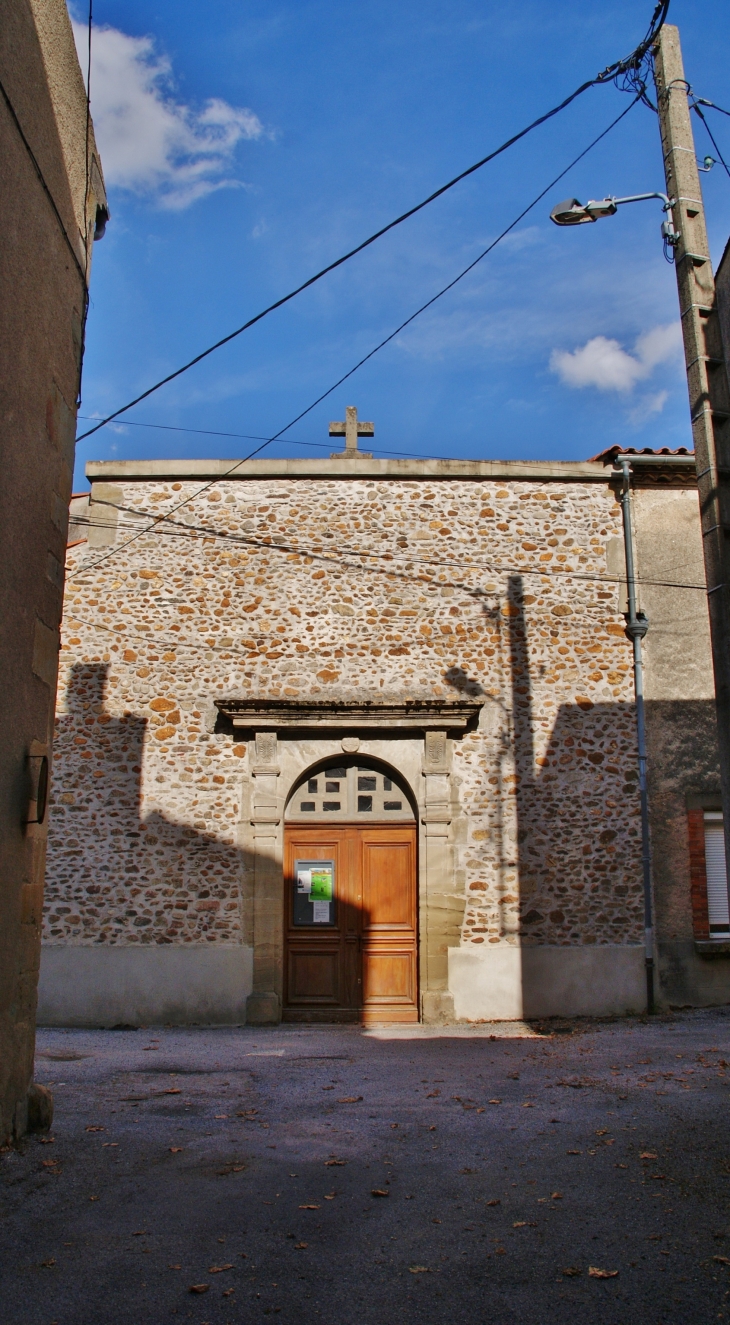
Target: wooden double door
x: 352, y: 956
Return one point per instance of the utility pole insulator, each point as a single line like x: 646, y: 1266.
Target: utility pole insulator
x: 707, y: 370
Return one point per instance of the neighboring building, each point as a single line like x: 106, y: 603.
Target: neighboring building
x: 356, y: 739
x: 52, y: 200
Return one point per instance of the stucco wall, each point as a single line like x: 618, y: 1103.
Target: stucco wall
x: 43, y: 268
x: 681, y: 729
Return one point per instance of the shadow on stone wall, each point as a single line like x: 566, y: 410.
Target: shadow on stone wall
x: 157, y: 881
x: 123, y: 882
x: 573, y: 822
x: 578, y: 835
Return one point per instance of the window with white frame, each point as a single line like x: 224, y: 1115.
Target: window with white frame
x: 718, y: 912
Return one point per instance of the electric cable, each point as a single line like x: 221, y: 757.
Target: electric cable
x: 720, y: 157
x: 628, y: 69
x: 195, y: 533
x: 702, y: 101
x: 254, y: 437
x: 194, y: 496
x: 87, y: 187
x: 43, y: 183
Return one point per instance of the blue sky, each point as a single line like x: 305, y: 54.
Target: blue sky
x: 249, y: 142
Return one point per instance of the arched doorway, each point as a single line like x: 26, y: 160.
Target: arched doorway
x: 350, y: 907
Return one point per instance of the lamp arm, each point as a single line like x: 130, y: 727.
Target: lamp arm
x: 644, y: 197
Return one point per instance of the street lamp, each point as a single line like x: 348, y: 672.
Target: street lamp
x: 573, y: 212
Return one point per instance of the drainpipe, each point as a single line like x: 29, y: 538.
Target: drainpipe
x: 637, y: 625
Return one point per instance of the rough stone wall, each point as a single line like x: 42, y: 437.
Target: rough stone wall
x: 354, y: 589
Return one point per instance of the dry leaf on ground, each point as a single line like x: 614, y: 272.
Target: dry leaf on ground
x: 520, y: 1223
x: 557, y: 1196
x: 330, y: 1196
x: 495, y: 1101
x: 334, y: 1163
x: 309, y: 1207
x: 350, y: 1099
x: 175, y: 1150
x: 199, y: 1288
x: 379, y: 1191
x: 571, y: 1271
x: 48, y: 1265
x: 299, y: 1246
x: 218, y: 1269
x: 495, y: 1202
x: 723, y: 1260
x: 419, y: 1269
x: 595, y: 1273
x: 95, y: 1129
x: 648, y: 1154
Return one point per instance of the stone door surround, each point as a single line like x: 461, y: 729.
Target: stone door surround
x: 286, y: 738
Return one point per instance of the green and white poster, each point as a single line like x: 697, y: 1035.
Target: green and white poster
x: 322, y: 888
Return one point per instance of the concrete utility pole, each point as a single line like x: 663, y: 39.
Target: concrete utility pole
x: 707, y: 372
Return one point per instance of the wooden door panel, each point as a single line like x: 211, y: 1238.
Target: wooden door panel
x: 388, y: 976
x: 388, y: 891
x: 314, y: 975
x: 365, y: 964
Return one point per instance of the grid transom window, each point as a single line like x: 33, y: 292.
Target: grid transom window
x: 349, y: 791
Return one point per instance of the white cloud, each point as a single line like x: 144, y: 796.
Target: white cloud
x: 605, y: 364
x: 647, y: 406
x: 150, y: 143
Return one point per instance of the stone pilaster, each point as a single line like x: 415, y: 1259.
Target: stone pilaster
x: 441, y: 911
x: 263, y: 1006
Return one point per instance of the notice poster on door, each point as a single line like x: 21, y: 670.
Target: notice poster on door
x: 314, y: 892
x: 323, y: 889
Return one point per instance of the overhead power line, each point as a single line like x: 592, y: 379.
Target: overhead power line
x: 702, y: 101
x: 336, y: 556
x: 628, y: 69
x: 710, y: 134
x: 237, y: 465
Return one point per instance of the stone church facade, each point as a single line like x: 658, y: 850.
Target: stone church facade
x: 356, y: 739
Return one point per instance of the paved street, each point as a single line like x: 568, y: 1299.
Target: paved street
x: 494, y: 1174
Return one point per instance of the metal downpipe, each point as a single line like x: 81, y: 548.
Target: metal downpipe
x: 637, y: 625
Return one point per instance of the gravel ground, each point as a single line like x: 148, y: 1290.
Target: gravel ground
x: 329, y: 1174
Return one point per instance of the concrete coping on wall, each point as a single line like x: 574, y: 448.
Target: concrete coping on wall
x: 536, y: 471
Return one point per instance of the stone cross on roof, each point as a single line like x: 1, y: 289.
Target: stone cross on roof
x: 351, y: 429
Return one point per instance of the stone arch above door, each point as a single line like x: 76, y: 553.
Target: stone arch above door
x: 350, y: 789
x: 286, y: 743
